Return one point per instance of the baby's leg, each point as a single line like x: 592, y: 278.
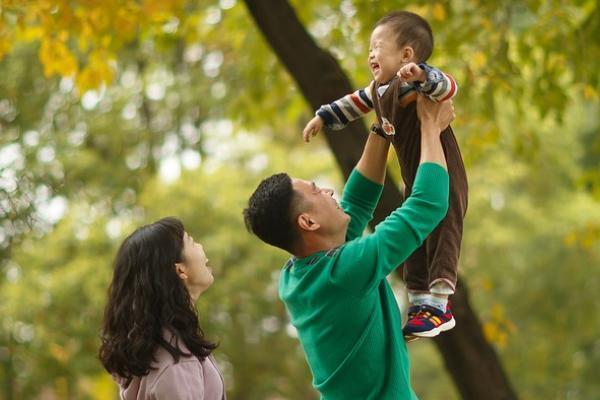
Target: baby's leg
x: 443, y: 245
x: 416, y: 278
x: 440, y: 253
x: 416, y: 273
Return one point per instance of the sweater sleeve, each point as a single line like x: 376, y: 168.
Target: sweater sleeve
x: 336, y: 115
x: 362, y: 263
x: 181, y: 381
x: 360, y: 198
x: 439, y: 86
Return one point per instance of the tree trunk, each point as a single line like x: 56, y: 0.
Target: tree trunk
x: 468, y: 357
x: 8, y: 369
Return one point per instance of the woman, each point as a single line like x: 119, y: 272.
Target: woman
x: 152, y: 342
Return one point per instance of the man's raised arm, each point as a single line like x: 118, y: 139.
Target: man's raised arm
x: 365, y: 184
x: 373, y: 161
x: 370, y: 259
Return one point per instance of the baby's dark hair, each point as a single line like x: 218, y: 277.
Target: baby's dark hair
x: 412, y: 30
x: 269, y: 212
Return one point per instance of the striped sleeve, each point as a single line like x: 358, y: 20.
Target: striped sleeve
x: 338, y: 114
x: 439, y: 86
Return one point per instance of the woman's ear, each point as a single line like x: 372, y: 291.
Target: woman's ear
x: 307, y: 223
x: 407, y: 54
x: 181, y: 271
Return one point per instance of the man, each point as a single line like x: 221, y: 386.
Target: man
x: 334, y: 287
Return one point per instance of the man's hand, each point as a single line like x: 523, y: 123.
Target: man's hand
x: 411, y: 72
x: 435, y: 116
x: 312, y: 128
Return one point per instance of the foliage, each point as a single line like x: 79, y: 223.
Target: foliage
x: 115, y: 113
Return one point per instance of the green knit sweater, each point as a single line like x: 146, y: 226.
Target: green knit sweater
x: 340, y: 302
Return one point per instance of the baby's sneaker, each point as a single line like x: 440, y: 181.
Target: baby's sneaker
x: 411, y: 313
x: 429, y: 322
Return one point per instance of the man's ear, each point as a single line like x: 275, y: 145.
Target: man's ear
x: 307, y: 223
x: 181, y: 271
x: 407, y: 53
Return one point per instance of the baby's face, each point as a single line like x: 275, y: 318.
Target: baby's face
x: 385, y: 58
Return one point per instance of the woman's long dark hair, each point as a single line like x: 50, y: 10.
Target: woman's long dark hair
x: 146, y: 299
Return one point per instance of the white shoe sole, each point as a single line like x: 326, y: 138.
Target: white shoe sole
x: 446, y: 326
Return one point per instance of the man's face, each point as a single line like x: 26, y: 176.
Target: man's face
x: 385, y: 58
x: 320, y: 205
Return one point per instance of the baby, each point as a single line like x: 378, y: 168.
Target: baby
x: 401, y: 43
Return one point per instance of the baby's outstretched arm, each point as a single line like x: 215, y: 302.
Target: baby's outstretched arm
x: 338, y: 114
x: 312, y: 128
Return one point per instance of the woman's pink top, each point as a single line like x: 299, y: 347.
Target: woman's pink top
x: 189, y: 379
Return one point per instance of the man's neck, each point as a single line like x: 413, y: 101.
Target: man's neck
x: 320, y: 244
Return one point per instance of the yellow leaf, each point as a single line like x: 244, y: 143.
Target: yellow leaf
x: 30, y: 33
x: 438, y: 11
x: 57, y: 58
x: 103, y: 387
x: 497, y: 312
x: 557, y: 61
x: 590, y: 93
x: 418, y: 9
x: 479, y: 60
x: 99, y: 19
x: 501, y: 339
x: 5, y: 46
x: 490, y: 331
x: 59, y: 353
x: 486, y: 24
x: 105, y: 41
x: 570, y: 239
x: 160, y: 10
x: 587, y: 242
x: 127, y: 20
x: 83, y: 43
x: 61, y: 387
x: 63, y: 36
x: 486, y: 284
x: 96, y: 72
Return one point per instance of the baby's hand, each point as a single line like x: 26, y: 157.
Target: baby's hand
x: 312, y: 128
x: 411, y: 72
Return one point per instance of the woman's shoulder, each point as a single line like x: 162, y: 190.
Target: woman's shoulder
x: 183, y: 379
x: 187, y: 377
x: 166, y: 379
x: 163, y: 357
x: 186, y: 367
x: 170, y: 375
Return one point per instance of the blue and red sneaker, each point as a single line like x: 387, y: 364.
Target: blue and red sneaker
x: 412, y: 312
x: 429, y: 322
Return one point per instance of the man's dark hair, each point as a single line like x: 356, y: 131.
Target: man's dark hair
x: 270, y: 212
x: 412, y: 30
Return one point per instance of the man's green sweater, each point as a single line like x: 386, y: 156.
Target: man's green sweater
x: 340, y: 302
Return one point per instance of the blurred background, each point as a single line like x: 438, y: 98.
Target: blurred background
x: 114, y: 113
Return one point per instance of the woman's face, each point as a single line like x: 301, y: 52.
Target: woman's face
x: 197, y: 275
